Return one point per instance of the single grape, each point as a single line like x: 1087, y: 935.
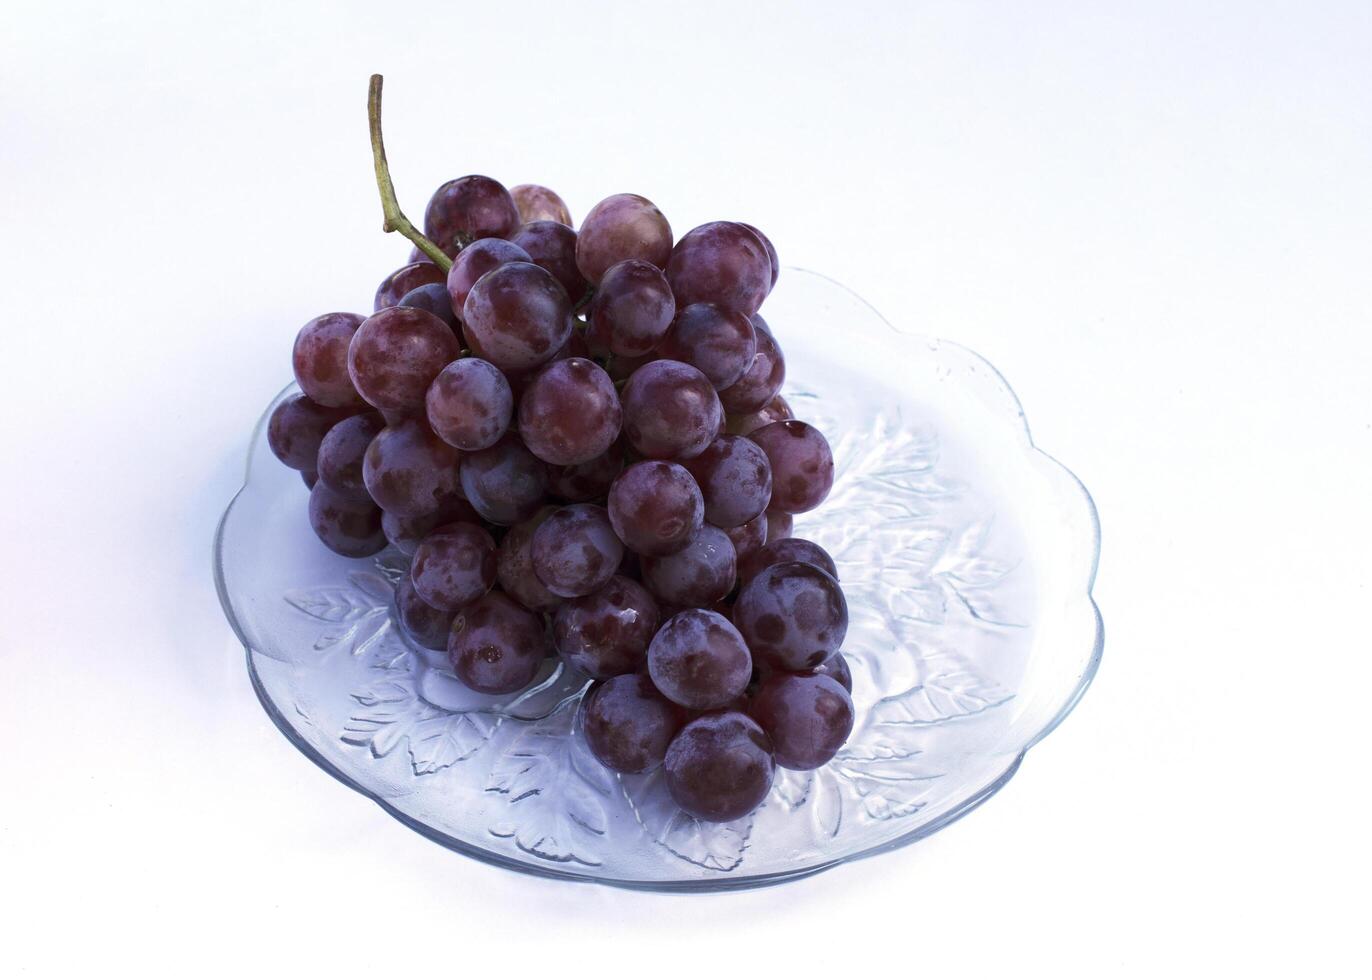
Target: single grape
x: 623, y: 226
x: 793, y: 615
x: 297, y: 427
x: 779, y: 525
x: 454, y: 565
x: 719, y: 343
x: 320, y: 359
x: 734, y: 478
x: 655, y: 507
x: 396, y: 354
x: 699, y: 574
x: 570, y: 412
x: 699, y: 660
x: 408, y: 470
x: 496, y: 645
x: 583, y: 482
x: 575, y: 551
x: 505, y: 483
x: 517, y: 316
x: 552, y: 245
x: 784, y: 550
x: 771, y: 250
x: 763, y: 379
x: 417, y: 255
x: 432, y: 297
x: 720, y: 766
x: 748, y: 538
x: 467, y: 209
x: 774, y: 411
x: 632, y: 310
x: 402, y: 280
x: 807, y: 717
x: 470, y: 404
x: 474, y: 261
x: 351, y: 528
x: 723, y: 263
x: 405, y: 533
x: 425, y: 625
x: 670, y: 410
x: 538, y: 203
x: 607, y: 632
x: 802, y: 464
x: 837, y: 668
x: 628, y: 724
x: 342, y: 451
x: 514, y: 566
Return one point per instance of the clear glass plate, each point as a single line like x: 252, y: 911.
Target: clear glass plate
x: 967, y: 557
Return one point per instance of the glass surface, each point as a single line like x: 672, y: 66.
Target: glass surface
x: 967, y: 557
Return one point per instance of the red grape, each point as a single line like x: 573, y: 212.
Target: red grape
x: 607, y: 632
x: 699, y: 574
x: 720, y: 767
x: 670, y: 410
x: 454, y: 565
x: 505, y: 483
x: 771, y: 250
x: 748, y: 538
x: 807, y: 718
x: 351, y: 528
x: 784, y: 550
x: 320, y: 359
x: 837, y: 668
x: 699, y: 660
x: 582, y: 482
x: 774, y: 411
x: 552, y: 245
x: 538, y: 203
x: 569, y: 413
x: 719, y: 343
x: 432, y: 297
x: 474, y: 261
x: 515, y: 569
x: 763, y: 379
x: 632, y: 310
x: 296, y: 428
x: 802, y: 464
x: 496, y: 645
x: 575, y: 551
x: 721, y: 262
x: 517, y: 316
x: 628, y: 724
x: 423, y: 623
x: 624, y: 226
x: 793, y: 615
x: 469, y: 208
x: 405, y: 533
x: 396, y: 354
x: 342, y: 451
x: 734, y: 478
x: 655, y: 507
x: 470, y: 404
x: 402, y: 280
x: 408, y: 470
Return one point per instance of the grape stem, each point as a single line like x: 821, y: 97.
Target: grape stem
x: 395, y: 219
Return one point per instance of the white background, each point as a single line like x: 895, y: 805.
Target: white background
x: 1155, y: 219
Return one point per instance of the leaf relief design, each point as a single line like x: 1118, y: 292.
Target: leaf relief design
x: 717, y: 846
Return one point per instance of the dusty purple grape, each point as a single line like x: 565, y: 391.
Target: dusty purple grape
x: 774, y: 411
x: 632, y: 310
x: 721, y: 262
x: 763, y: 378
x: 467, y: 209
x: 320, y: 360
x: 575, y: 551
x: 425, y: 625
x: 496, y: 645
x: 408, y: 470
x: 432, y: 297
x: 583, y: 482
x: 628, y: 724
x: 538, y: 203
x: 699, y: 660
x: 405, y: 533
x: 515, y: 569
x: 719, y: 343
x: 470, y: 404
x: 402, y: 280
x: 720, y: 766
x: 802, y: 464
x: 505, y: 483
x: 297, y: 427
x: 735, y: 479
x: 808, y: 717
x: 454, y: 565
x: 570, y: 412
x: 623, y: 226
x: 793, y: 616
x: 552, y: 245
x: 351, y: 528
x: 747, y: 538
x: 517, y: 316
x: 474, y: 261
x: 699, y: 574
x: 671, y: 411
x: 607, y: 632
x: 784, y: 550
x: 837, y: 668
x: 771, y: 250
x: 396, y: 354
x: 341, y: 453
x: 655, y: 507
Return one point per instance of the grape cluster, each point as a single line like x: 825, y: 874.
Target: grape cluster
x: 578, y: 438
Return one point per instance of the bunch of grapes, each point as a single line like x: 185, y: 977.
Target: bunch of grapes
x: 578, y: 438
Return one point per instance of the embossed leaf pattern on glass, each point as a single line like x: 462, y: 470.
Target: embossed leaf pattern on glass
x: 717, y: 846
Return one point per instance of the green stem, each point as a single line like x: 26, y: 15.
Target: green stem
x: 395, y: 219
